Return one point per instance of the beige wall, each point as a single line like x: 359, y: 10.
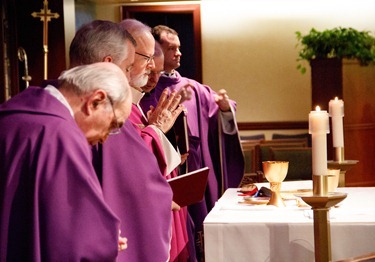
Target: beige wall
x: 249, y: 49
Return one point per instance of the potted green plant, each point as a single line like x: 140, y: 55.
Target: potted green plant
x: 336, y: 43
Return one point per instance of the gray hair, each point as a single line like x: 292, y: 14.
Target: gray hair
x: 98, y: 39
x: 86, y: 79
x: 158, y: 50
x: 134, y: 27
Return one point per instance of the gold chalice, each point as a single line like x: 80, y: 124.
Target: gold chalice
x: 275, y: 173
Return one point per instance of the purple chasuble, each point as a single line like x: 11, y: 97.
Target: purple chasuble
x: 52, y: 207
x: 140, y: 196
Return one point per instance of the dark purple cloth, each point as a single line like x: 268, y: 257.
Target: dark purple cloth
x: 148, y: 100
x: 135, y: 189
x: 202, y: 118
x: 52, y: 82
x: 52, y: 207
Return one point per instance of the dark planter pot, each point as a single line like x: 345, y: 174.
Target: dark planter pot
x: 326, y: 81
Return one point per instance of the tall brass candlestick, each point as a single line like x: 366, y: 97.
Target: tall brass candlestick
x: 321, y: 200
x: 336, y: 112
x: 339, y: 154
x: 321, y: 204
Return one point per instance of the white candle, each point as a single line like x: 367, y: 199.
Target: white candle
x: 336, y: 112
x: 319, y: 128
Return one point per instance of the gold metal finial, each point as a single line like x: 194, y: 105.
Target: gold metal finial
x: 22, y: 56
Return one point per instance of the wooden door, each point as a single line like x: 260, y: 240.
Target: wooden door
x: 185, y: 19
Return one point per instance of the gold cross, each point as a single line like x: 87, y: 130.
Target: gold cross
x: 45, y: 16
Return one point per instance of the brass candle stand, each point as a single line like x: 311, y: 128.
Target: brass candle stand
x: 321, y: 201
x: 342, y: 164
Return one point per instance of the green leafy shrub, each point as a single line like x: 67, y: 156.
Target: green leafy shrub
x: 336, y: 43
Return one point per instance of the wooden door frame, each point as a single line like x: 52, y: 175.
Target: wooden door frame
x: 9, y: 85
x: 126, y: 11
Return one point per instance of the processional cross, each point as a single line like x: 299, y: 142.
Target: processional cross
x: 45, y: 16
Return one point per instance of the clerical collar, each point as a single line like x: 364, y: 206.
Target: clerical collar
x: 171, y: 74
x: 53, y: 91
x: 149, y: 93
x: 137, y: 96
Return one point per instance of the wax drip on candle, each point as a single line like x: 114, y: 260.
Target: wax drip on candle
x: 336, y: 112
x: 318, y: 128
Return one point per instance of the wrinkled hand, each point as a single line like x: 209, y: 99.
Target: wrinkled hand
x: 222, y: 100
x: 122, y: 242
x: 175, y: 206
x: 166, y: 111
x: 185, y: 92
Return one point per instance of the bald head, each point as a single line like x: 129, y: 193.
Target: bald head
x: 144, y: 52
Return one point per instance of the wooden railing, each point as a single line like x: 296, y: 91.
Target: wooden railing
x: 273, y: 125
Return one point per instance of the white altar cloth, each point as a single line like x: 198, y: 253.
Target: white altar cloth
x: 242, y: 232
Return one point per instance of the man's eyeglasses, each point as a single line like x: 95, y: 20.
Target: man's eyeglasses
x: 147, y: 58
x: 114, y: 129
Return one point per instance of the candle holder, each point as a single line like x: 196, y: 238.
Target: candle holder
x: 344, y: 166
x: 321, y: 201
x: 339, y: 154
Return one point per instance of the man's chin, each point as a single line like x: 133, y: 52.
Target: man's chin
x: 148, y: 89
x: 139, y: 83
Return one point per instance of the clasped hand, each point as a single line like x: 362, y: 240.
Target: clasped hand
x: 186, y: 92
x: 222, y: 100
x: 166, y: 111
x: 122, y: 242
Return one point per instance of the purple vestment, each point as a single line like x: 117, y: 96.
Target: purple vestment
x: 52, y: 207
x: 179, y: 242
x: 138, y: 193
x: 149, y: 99
x: 202, y: 118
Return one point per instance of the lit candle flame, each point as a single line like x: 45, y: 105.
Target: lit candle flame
x: 317, y: 108
x: 336, y: 98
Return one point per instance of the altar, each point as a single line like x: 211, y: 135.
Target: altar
x: 237, y: 231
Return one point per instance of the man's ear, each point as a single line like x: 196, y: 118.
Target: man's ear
x: 95, y: 99
x: 108, y: 58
